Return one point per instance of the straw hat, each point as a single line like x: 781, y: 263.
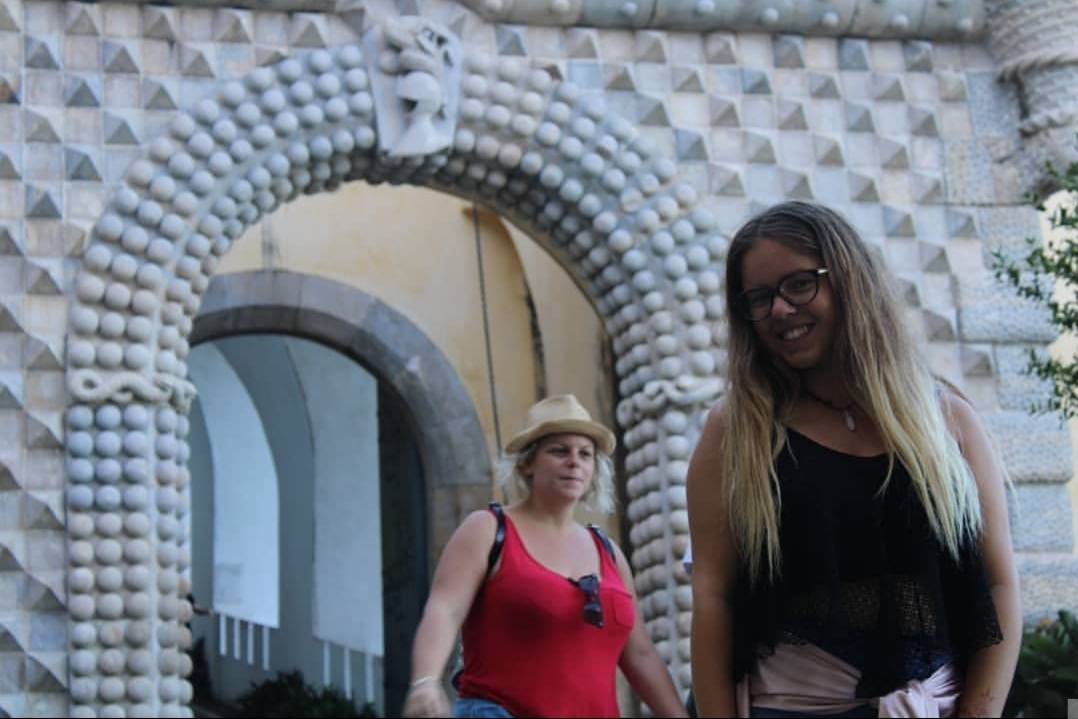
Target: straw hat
x: 559, y: 415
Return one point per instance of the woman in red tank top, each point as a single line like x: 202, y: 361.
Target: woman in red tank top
x: 546, y: 626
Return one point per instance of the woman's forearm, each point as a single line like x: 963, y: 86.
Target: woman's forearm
x: 434, y: 639
x: 712, y: 665
x: 650, y: 679
x: 990, y: 671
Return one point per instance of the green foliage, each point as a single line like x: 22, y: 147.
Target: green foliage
x: 1047, y: 670
x: 289, y: 696
x: 1035, y: 277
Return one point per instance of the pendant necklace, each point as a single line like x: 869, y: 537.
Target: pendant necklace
x: 846, y: 414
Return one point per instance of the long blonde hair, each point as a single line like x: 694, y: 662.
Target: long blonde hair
x: 878, y: 362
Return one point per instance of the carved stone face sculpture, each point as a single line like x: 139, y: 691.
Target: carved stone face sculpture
x: 416, y: 85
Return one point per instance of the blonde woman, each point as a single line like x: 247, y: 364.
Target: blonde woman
x: 549, y: 614
x: 852, y: 555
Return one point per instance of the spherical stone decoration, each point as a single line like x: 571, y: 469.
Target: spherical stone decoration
x: 108, y: 551
x: 80, y: 498
x: 80, y: 580
x: 139, y: 689
x: 89, y: 288
x: 109, y: 579
x: 81, y: 606
x: 109, y: 524
x: 83, y: 691
x: 108, y: 443
x: 136, y: 470
x: 137, y: 605
x: 136, y: 551
x: 111, y: 689
x: 80, y: 526
x: 82, y: 634
x: 138, y: 634
x: 126, y: 200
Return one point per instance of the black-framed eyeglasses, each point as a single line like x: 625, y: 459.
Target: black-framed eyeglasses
x: 797, y: 288
x: 593, y: 607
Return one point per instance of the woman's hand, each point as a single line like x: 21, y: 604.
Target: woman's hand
x: 427, y: 700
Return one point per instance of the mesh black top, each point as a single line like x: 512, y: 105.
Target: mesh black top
x: 863, y: 576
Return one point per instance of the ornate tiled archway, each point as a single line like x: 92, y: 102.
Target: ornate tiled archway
x: 562, y: 166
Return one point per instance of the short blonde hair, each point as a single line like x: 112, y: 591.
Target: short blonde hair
x: 600, y: 496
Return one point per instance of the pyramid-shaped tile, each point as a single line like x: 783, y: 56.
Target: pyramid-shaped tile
x: 581, y: 44
x: 308, y: 30
x: 788, y: 50
x: 933, y: 257
x: 938, y: 327
x: 976, y: 361
x: 9, y: 243
x: 719, y: 49
x: 893, y: 154
x: 726, y: 181
x: 44, y: 431
x: 43, y: 512
x: 907, y: 291
x: 8, y: 561
x: 268, y: 55
x: 690, y: 145
x: 7, y: 482
x: 8, y: 171
x: 859, y: 118
x: 42, y: 678
x: 759, y: 148
x: 232, y: 25
x: 41, y: 204
x: 618, y: 77
x: 862, y: 188
x: 923, y: 122
x: 853, y: 54
x: 723, y: 112
x: 917, y: 55
x: 888, y: 87
x: 8, y: 321
x: 194, y: 62
x: 897, y: 222
x: 38, y: 355
x: 9, y: 91
x: 792, y: 115
x: 7, y: 17
x: 41, y: 279
x: 796, y: 185
x: 36, y: 595
x: 354, y: 15
x: 119, y: 58
x: 40, y: 54
x: 652, y: 112
x: 686, y: 79
x: 828, y: 150
x: 10, y: 639
x: 650, y: 46
x: 82, y: 92
x: 755, y: 82
x: 823, y: 86
x: 510, y: 41
x: 952, y: 86
x: 927, y: 190
x: 83, y: 19
x: 960, y: 223
x: 38, y: 128
x: 159, y: 22
x: 157, y: 96
x: 118, y: 131
x: 12, y: 390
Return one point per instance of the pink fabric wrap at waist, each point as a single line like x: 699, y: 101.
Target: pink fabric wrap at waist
x: 805, y: 678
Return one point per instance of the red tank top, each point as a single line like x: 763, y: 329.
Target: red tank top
x: 527, y: 646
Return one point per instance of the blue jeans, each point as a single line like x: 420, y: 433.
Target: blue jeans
x: 466, y: 707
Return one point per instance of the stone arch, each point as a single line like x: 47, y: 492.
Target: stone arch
x: 455, y: 459
x: 576, y: 177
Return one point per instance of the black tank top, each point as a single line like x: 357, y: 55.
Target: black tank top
x: 863, y: 576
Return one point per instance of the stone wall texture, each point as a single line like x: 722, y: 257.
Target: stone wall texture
x: 138, y: 140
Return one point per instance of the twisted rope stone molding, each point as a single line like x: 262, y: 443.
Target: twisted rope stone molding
x: 1033, y: 42
x: 575, y: 176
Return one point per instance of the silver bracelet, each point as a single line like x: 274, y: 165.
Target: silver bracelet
x: 421, y: 681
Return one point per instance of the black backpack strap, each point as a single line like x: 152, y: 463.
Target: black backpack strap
x: 605, y: 540
x: 499, y: 537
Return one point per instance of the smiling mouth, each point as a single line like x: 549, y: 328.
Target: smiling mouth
x: 795, y: 334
